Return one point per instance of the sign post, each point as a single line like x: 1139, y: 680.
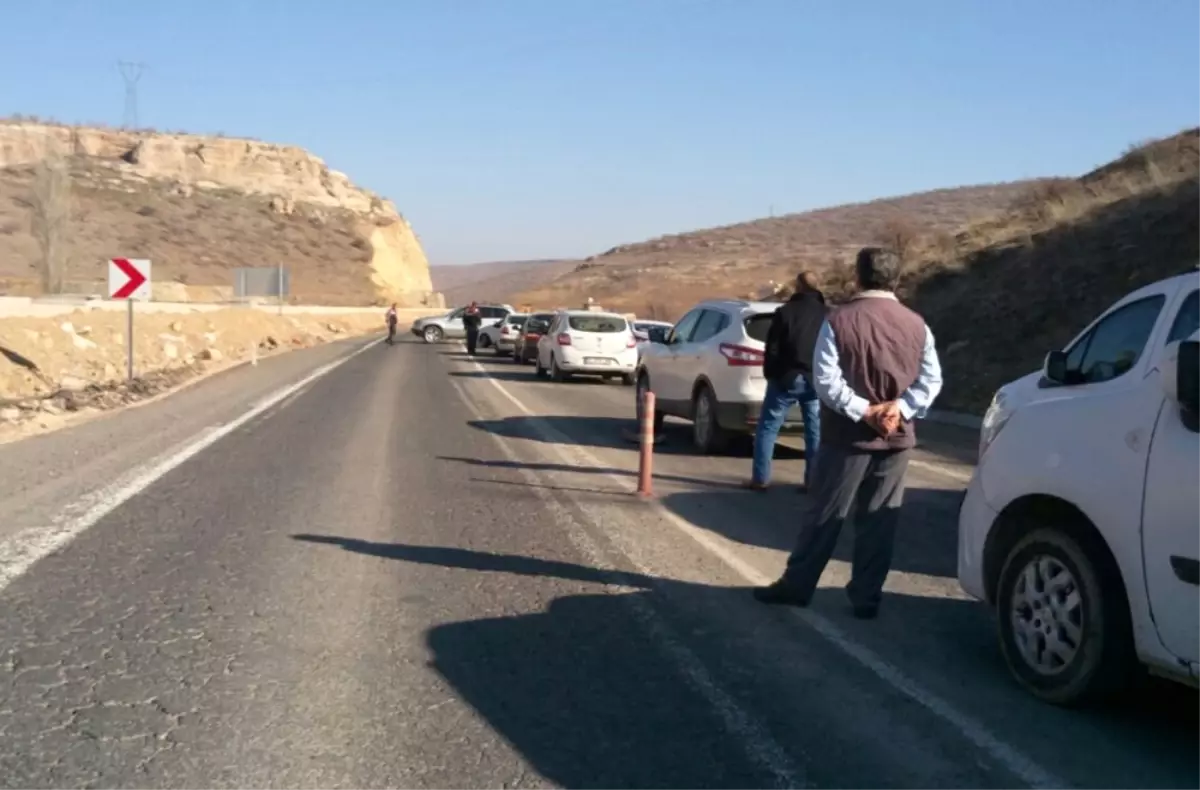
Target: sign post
x: 129, y: 279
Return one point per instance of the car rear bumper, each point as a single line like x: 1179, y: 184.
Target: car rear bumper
x: 597, y: 370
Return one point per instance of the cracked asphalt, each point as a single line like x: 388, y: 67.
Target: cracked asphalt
x: 404, y: 575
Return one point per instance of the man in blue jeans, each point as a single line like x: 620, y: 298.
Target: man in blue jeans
x: 787, y: 366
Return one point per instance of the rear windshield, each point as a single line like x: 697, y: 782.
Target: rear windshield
x: 538, y: 323
x: 757, y: 326
x: 514, y: 318
x: 657, y: 334
x: 597, y: 323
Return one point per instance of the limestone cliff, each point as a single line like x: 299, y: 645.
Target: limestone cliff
x: 292, y: 184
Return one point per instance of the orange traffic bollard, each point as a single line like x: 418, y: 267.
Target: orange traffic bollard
x: 646, y: 452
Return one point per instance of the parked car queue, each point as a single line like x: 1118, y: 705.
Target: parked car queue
x: 1080, y: 527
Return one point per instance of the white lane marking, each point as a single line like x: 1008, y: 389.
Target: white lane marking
x: 973, y: 730
x: 19, y: 552
x: 754, y: 738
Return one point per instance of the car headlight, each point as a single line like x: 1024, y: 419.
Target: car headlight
x: 993, y: 420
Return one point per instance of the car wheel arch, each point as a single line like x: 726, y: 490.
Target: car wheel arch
x: 1030, y: 512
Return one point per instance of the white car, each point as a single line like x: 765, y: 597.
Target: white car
x: 648, y: 332
x: 709, y: 371
x: 500, y: 335
x: 585, y: 342
x: 1081, y: 524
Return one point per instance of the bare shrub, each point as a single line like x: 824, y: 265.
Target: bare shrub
x: 900, y: 235
x: 51, y: 215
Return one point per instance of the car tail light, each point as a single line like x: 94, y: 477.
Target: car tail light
x: 532, y: 335
x: 740, y: 356
x: 506, y: 329
x: 564, y: 339
x: 631, y: 342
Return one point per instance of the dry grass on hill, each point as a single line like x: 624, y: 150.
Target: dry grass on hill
x: 193, y: 238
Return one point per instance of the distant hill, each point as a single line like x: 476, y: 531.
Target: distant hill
x: 663, y: 276
x: 495, y: 281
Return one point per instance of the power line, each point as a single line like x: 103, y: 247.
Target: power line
x: 131, y: 73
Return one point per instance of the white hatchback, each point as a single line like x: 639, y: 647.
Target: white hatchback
x: 583, y: 342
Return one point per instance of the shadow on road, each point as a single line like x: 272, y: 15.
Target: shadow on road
x: 927, y: 541
x: 591, y: 470
x: 608, y: 432
x: 590, y: 701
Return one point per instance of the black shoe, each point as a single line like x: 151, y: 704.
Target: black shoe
x: 866, y: 612
x: 779, y: 593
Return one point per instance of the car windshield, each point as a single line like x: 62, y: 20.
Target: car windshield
x: 538, y: 323
x: 758, y: 325
x: 598, y: 323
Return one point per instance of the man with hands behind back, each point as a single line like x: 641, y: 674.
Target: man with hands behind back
x: 875, y: 369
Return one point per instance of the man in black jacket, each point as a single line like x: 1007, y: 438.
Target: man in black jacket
x: 472, y: 319
x: 787, y: 367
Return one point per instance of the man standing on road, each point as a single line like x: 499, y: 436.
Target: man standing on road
x: 391, y: 317
x: 471, y: 322
x: 876, y: 370
x: 787, y: 366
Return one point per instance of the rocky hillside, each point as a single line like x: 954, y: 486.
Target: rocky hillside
x: 1004, y: 291
x: 200, y: 207
x: 663, y: 276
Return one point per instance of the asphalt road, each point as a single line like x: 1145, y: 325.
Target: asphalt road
x: 414, y: 570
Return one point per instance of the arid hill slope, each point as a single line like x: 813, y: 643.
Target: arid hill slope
x: 1026, y: 281
x: 199, y: 207
x: 663, y: 276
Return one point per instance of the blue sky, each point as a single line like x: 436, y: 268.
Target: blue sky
x: 514, y: 129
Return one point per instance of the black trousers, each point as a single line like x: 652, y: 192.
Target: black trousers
x: 472, y: 339
x: 845, y: 477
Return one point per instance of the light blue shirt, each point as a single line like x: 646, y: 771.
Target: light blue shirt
x: 836, y: 393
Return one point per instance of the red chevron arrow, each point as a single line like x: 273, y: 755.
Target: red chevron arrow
x: 136, y: 278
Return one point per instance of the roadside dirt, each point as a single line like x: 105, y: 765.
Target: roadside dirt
x: 56, y: 371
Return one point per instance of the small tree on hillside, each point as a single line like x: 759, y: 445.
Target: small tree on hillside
x: 51, y: 210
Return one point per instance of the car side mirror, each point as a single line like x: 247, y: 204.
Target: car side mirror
x: 1055, y: 367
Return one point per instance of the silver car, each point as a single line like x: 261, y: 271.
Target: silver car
x: 436, y: 328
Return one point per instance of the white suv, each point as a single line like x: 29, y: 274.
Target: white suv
x: 585, y: 342
x: 709, y: 371
x: 1079, y: 525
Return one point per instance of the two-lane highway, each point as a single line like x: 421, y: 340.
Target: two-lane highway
x: 406, y: 568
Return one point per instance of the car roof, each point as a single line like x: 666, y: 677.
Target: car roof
x: 740, y: 305
x: 600, y: 313
x: 653, y: 322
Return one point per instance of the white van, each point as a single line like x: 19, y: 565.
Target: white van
x: 1081, y: 524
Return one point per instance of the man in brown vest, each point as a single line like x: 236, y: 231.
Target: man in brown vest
x: 875, y: 369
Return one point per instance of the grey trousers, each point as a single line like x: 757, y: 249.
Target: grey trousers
x: 873, y: 480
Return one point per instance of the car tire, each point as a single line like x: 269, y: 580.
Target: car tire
x: 432, y: 334
x: 643, y: 385
x: 1085, y: 613
x: 485, y: 341
x: 627, y: 379
x: 538, y: 370
x: 708, y: 437
x: 557, y: 373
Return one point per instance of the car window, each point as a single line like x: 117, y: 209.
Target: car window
x: 492, y: 312
x: 515, y: 319
x: 658, y: 334
x: 1115, y: 344
x: 757, y: 326
x: 683, y: 330
x: 710, y: 324
x: 458, y: 313
x: 606, y: 324
x: 1187, y: 320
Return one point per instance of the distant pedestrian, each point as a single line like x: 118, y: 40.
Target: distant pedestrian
x: 471, y: 322
x: 391, y: 317
x: 787, y: 367
x: 876, y: 370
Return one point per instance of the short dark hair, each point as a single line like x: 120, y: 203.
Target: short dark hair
x: 807, y: 281
x: 878, y: 269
